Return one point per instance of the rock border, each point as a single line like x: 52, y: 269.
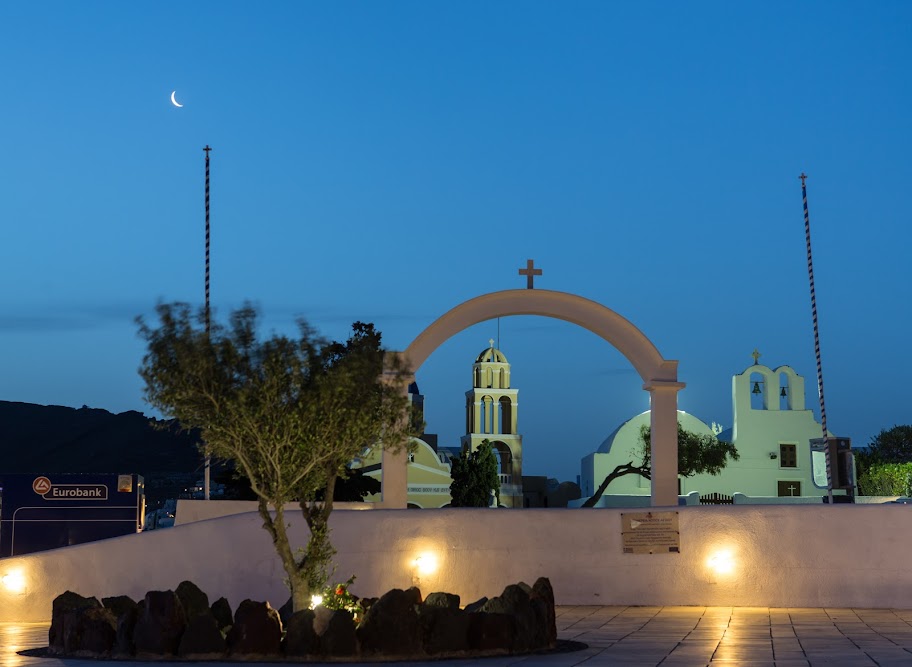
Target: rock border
x: 400, y: 625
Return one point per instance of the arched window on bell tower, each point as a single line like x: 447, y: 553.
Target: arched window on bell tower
x: 785, y: 393
x: 759, y: 391
x: 506, y: 415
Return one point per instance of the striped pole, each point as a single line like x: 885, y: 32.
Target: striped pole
x: 208, y: 312
x: 207, y: 149
x: 823, y: 419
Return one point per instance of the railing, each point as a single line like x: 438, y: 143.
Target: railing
x: 716, y: 499
x: 505, y: 479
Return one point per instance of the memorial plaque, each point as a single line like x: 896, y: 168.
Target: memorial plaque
x: 650, y: 533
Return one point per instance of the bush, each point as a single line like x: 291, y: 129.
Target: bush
x: 886, y: 479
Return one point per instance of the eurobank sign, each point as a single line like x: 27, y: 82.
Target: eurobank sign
x: 77, y: 492
x: 54, y: 510
x: 44, y: 488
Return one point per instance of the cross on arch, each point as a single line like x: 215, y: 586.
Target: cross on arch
x: 530, y: 272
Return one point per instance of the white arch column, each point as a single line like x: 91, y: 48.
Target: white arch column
x: 394, y: 483
x: 394, y: 465
x: 663, y: 424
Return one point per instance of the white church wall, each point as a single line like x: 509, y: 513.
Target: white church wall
x: 623, y: 447
x: 783, y: 556
x: 759, y: 434
x: 601, y: 466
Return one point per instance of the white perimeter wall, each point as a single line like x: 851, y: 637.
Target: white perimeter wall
x: 804, y: 555
x: 190, y: 511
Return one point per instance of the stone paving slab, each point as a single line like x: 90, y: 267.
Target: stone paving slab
x: 666, y: 636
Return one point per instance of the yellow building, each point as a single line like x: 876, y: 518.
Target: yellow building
x: 491, y: 408
x: 428, y: 469
x: 428, y: 475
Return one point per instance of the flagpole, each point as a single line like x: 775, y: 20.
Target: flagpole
x: 207, y: 311
x: 823, y: 419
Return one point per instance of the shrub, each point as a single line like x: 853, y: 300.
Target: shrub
x: 886, y: 479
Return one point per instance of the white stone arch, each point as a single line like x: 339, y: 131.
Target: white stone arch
x: 659, y: 375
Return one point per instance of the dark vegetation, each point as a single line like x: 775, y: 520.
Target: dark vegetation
x: 475, y: 477
x: 885, y: 467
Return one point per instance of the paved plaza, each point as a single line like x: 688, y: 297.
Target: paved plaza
x: 680, y: 636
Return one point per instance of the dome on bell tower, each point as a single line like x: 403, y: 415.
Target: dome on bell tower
x: 491, y: 369
x: 491, y: 355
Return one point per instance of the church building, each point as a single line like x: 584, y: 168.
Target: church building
x: 772, y: 431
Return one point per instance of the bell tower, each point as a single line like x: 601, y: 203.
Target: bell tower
x: 491, y: 414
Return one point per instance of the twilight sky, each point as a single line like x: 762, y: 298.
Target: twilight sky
x: 385, y: 161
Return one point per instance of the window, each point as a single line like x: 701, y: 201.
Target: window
x: 818, y: 465
x: 789, y: 488
x: 788, y: 456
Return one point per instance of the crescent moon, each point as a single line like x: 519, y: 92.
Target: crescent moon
x: 174, y: 101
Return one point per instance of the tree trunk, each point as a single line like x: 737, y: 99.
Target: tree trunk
x: 297, y: 580
x: 316, y: 565
x: 301, y: 596
x: 620, y: 471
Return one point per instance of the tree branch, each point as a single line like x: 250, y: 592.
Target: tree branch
x: 619, y: 471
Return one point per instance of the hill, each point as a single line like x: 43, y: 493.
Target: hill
x: 57, y: 439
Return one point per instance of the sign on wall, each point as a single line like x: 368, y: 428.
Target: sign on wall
x: 650, y: 533
x: 44, y: 488
x: 429, y: 488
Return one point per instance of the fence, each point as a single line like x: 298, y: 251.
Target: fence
x: 716, y: 499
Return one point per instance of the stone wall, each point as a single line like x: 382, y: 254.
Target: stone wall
x: 779, y: 555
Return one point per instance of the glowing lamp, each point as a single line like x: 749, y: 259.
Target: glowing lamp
x: 316, y: 600
x: 721, y: 562
x: 14, y: 582
x: 426, y: 564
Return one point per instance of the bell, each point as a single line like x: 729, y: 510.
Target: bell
x: 783, y: 393
x: 756, y: 389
